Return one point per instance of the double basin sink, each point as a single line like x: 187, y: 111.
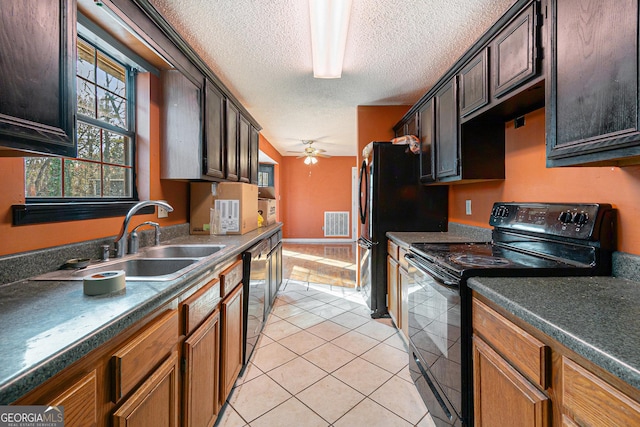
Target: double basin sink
x: 163, y: 263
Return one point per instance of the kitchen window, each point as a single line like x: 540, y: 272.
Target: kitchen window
x: 105, y: 136
x: 100, y: 181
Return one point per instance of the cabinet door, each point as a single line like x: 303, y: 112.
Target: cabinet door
x: 232, y: 141
x: 501, y: 395
x: 592, y: 83
x: 474, y: 84
x: 37, y: 97
x: 214, y: 131
x: 514, y: 52
x: 427, y: 146
x: 447, y: 132
x: 181, y: 127
x: 231, y: 342
x: 80, y: 402
x: 202, y: 374
x: 254, y: 151
x: 411, y: 127
x: 392, y: 290
x: 591, y: 401
x: 155, y: 402
x: 244, y: 152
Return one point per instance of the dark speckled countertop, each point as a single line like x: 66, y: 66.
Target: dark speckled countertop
x: 48, y: 325
x: 596, y: 317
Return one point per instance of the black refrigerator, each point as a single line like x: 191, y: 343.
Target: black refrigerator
x: 392, y: 199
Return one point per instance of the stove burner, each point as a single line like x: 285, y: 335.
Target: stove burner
x: 479, y: 260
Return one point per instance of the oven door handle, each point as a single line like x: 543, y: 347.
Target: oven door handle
x: 365, y: 243
x: 443, y: 281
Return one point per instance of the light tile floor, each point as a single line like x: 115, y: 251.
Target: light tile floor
x: 322, y: 360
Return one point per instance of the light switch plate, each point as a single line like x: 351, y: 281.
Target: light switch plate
x: 468, y: 207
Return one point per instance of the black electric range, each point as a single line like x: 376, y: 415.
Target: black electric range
x: 528, y: 239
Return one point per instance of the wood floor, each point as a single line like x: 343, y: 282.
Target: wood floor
x: 329, y: 264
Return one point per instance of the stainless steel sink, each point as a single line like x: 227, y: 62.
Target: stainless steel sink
x: 181, y: 251
x: 136, y: 269
x: 142, y: 267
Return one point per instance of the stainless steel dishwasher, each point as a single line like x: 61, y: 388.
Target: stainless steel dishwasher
x: 255, y: 283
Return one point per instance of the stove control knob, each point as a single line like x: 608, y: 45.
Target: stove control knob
x: 501, y: 212
x: 581, y: 218
x: 565, y: 217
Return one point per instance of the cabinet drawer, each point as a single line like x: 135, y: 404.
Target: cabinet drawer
x: 200, y: 305
x: 155, y: 402
x: 80, y: 402
x: 522, y: 350
x: 133, y: 361
x: 230, y: 278
x: 392, y: 249
x: 593, y: 402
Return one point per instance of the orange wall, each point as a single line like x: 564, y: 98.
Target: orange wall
x: 375, y: 123
x: 528, y: 180
x: 15, y: 239
x: 310, y: 190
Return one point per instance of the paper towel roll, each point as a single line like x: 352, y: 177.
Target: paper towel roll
x: 104, y: 282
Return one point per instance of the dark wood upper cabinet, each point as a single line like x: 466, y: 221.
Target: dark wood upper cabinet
x: 254, y: 150
x: 37, y: 95
x: 427, y: 143
x: 474, y: 84
x: 514, y: 52
x: 592, y: 83
x: 447, y: 131
x: 181, y: 148
x: 214, y: 131
x: 232, y: 141
x: 244, y: 160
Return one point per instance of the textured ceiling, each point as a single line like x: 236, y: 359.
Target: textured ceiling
x: 261, y: 50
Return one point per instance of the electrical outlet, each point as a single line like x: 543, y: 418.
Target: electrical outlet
x: 162, y: 212
x: 468, y: 207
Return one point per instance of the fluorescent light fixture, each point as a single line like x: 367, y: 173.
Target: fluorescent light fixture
x: 310, y: 160
x: 329, y: 26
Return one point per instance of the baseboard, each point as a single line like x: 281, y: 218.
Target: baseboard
x: 323, y: 241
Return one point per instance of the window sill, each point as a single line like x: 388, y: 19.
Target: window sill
x: 41, y: 213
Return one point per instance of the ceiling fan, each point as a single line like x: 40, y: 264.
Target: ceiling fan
x: 310, y: 153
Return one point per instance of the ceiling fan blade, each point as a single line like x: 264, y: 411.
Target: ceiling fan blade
x: 326, y: 156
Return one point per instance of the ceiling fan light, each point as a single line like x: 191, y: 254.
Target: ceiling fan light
x: 307, y: 160
x: 329, y: 26
x: 314, y: 160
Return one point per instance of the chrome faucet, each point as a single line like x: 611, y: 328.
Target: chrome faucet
x: 134, y: 242
x: 120, y: 243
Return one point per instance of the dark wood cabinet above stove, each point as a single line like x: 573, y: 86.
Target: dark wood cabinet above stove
x: 593, y: 114
x: 460, y: 120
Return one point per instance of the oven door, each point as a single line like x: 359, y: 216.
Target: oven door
x: 435, y: 338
